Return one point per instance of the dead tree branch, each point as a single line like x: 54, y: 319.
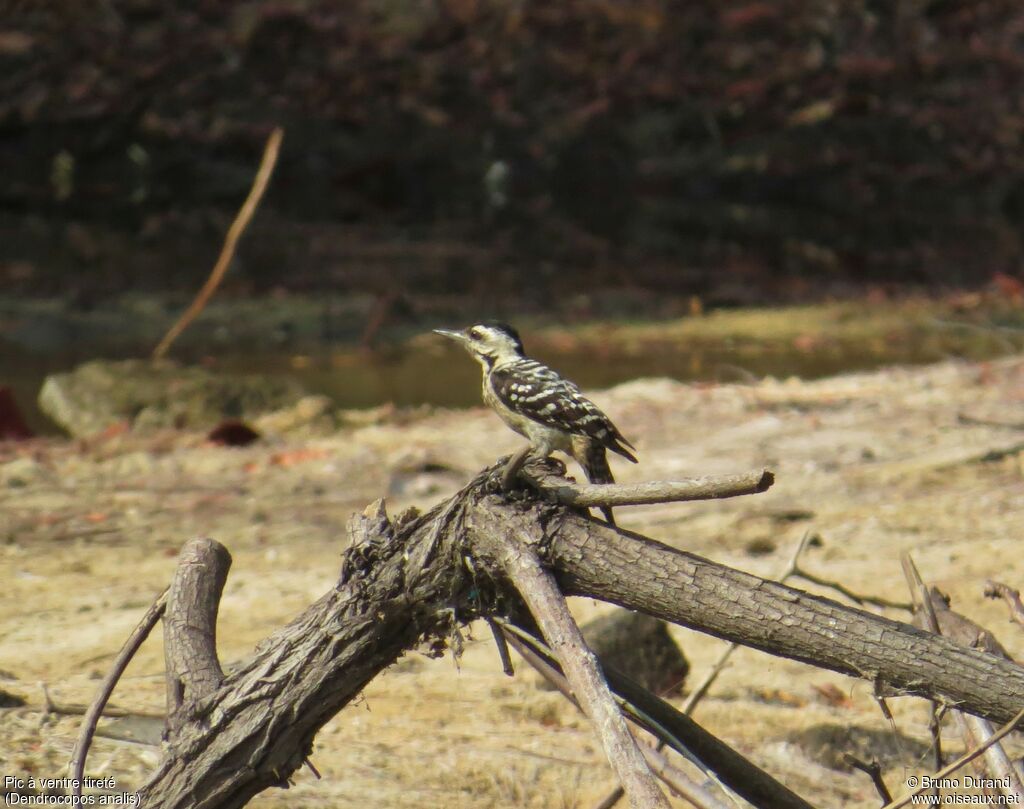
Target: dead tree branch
x: 676, y: 780
x: 698, y: 745
x: 874, y: 771
x: 966, y: 758
x: 227, y: 252
x: 411, y: 582
x: 934, y: 614
x: 663, y: 491
x: 190, y: 627
x: 699, y: 691
x: 641, y: 574
x: 995, y: 589
x: 548, y: 608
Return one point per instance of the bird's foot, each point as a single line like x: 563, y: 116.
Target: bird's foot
x: 510, y: 479
x: 496, y: 482
x: 506, y: 479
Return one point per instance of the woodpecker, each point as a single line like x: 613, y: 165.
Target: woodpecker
x: 549, y: 411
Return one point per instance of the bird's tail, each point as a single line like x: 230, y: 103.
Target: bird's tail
x: 594, y: 461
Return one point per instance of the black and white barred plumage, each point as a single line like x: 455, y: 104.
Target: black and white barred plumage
x: 535, y: 391
x: 539, y: 404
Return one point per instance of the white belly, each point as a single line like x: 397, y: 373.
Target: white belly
x: 545, y: 439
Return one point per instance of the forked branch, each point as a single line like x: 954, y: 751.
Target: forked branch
x: 190, y: 627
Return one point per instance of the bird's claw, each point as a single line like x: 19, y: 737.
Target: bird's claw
x: 510, y: 480
x: 513, y: 486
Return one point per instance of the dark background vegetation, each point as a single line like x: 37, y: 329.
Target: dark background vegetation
x: 740, y: 151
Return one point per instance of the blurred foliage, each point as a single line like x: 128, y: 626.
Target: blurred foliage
x: 682, y: 145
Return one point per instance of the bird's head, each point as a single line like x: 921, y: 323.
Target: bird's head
x: 490, y: 342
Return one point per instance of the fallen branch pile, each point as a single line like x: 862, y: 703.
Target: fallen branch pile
x: 416, y: 578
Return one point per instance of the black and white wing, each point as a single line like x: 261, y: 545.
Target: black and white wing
x: 538, y: 393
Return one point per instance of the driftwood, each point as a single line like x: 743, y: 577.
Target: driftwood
x: 416, y: 579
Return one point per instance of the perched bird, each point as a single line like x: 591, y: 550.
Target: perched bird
x: 537, y: 403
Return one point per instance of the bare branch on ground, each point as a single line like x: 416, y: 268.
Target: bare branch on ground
x: 407, y: 583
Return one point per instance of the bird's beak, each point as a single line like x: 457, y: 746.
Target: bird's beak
x: 454, y: 335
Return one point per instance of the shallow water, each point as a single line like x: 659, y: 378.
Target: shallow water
x: 446, y: 377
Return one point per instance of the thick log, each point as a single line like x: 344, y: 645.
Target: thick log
x: 641, y: 574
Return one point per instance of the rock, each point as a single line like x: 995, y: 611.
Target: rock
x: 155, y: 395
x: 640, y: 647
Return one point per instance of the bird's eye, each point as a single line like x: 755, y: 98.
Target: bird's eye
x: 475, y: 333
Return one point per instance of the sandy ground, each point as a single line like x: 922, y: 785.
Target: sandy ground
x: 875, y: 463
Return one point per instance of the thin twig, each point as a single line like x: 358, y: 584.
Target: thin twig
x: 660, y: 491
x: 995, y: 589
x: 794, y: 569
x: 856, y: 598
x: 997, y: 764
x: 922, y: 605
x: 227, y: 252
x: 935, y: 728
x: 966, y: 758
x: 502, y: 644
x: 874, y: 771
x: 546, y: 603
x: 47, y: 702
x: 92, y: 716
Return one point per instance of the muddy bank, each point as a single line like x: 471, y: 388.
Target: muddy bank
x: 324, y: 343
